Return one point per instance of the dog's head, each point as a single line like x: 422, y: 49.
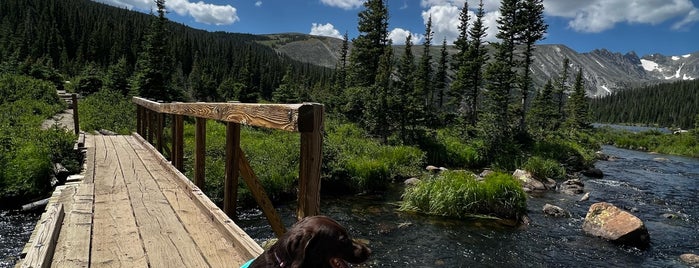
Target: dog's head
x: 318, y: 241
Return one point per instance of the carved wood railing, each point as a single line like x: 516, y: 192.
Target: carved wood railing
x: 305, y: 118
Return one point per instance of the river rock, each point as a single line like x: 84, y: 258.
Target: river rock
x: 572, y: 187
x: 609, y: 222
x: 585, y: 197
x: 555, y: 211
x: 434, y: 169
x: 593, y: 173
x: 601, y: 156
x: 527, y: 180
x: 670, y: 216
x: 690, y: 259
x: 411, y: 182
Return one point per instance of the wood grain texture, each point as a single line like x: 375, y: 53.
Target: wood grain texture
x: 230, y: 185
x: 73, y: 247
x: 245, y: 245
x: 200, y: 153
x: 41, y: 251
x: 258, y: 192
x: 310, y: 164
x: 289, y: 117
x: 116, y: 241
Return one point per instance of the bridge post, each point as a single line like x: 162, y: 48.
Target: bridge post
x: 199, y: 153
x: 310, y: 126
x: 177, y: 141
x: 230, y: 190
x: 139, y: 117
x: 76, y: 121
x: 159, y: 124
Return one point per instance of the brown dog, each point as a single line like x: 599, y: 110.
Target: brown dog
x: 316, y: 241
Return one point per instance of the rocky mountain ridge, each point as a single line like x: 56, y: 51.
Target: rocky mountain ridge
x: 604, y: 71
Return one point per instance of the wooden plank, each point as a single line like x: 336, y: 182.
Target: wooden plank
x: 73, y: 247
x: 200, y: 153
x: 310, y: 164
x: 115, y: 237
x: 242, y: 241
x: 159, y: 122
x: 230, y: 185
x: 41, y: 252
x: 276, y: 116
x: 165, y: 240
x: 216, y: 247
x: 258, y: 192
x: 89, y: 159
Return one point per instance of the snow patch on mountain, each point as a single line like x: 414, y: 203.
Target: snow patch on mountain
x: 686, y: 55
x: 675, y: 58
x: 649, y: 65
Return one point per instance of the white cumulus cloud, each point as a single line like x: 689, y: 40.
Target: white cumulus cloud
x: 445, y: 19
x: 201, y: 12
x: 599, y: 15
x: 258, y: 3
x: 398, y: 36
x: 325, y: 30
x: 344, y: 4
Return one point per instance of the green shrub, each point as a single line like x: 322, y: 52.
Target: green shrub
x: 458, y: 194
x: 543, y: 168
x: 107, y: 109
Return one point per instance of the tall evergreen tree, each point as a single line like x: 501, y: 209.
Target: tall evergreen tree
x: 440, y: 77
x: 341, y: 74
x: 370, y: 43
x: 424, y: 87
x: 287, y: 92
x: 118, y: 77
x: 543, y: 112
x: 461, y: 43
x: 405, y: 86
x: 154, y: 66
x: 560, y: 92
x: 532, y: 29
x: 477, y: 58
x: 578, y: 106
x: 378, y: 113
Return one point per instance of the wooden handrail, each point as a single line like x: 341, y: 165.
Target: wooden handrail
x: 305, y: 118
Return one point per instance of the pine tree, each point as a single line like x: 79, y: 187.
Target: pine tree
x: 405, y: 86
x: 378, y: 113
x: 154, y: 66
x: 440, y: 77
x: 543, y: 112
x: 287, y: 92
x: 477, y: 58
x: 533, y: 28
x: 118, y: 77
x: 341, y: 73
x: 559, y: 92
x: 370, y: 43
x: 578, y: 107
x: 424, y: 89
x: 461, y: 43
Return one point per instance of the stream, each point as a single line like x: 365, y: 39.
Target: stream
x: 648, y: 185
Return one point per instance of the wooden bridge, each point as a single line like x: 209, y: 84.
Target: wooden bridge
x: 134, y: 207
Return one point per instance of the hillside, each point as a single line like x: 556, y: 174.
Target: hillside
x: 604, y: 71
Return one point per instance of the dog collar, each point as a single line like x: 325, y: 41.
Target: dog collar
x: 281, y: 263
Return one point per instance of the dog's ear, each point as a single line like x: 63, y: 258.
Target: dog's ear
x: 297, y: 246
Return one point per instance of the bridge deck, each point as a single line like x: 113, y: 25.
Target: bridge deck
x: 130, y: 211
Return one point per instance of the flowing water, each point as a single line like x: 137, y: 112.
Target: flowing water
x: 15, y: 229
x: 648, y: 185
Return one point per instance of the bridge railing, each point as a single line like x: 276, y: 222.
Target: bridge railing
x: 305, y: 118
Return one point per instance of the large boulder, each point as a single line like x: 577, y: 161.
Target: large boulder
x: 690, y: 259
x: 609, y: 222
x: 593, y: 173
x: 527, y: 180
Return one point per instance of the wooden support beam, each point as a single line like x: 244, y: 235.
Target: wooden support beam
x: 258, y: 192
x: 230, y: 190
x: 41, y: 252
x: 178, y: 142
x: 76, y: 119
x: 159, y: 122
x: 310, y: 163
x: 149, y: 126
x: 200, y: 153
x: 139, y: 118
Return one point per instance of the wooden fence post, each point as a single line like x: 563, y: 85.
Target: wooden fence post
x: 139, y: 118
x: 177, y: 141
x: 311, y: 127
x: 76, y: 121
x: 200, y: 152
x: 230, y: 190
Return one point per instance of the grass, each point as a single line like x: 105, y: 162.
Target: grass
x: 683, y: 144
x: 458, y: 194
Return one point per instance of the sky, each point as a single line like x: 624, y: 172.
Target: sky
x: 668, y: 27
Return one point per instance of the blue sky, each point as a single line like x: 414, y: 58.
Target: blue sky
x: 669, y: 27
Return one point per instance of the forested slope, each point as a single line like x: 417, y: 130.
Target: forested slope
x: 74, y: 35
x: 670, y: 105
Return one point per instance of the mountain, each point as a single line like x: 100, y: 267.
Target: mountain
x: 604, y: 71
